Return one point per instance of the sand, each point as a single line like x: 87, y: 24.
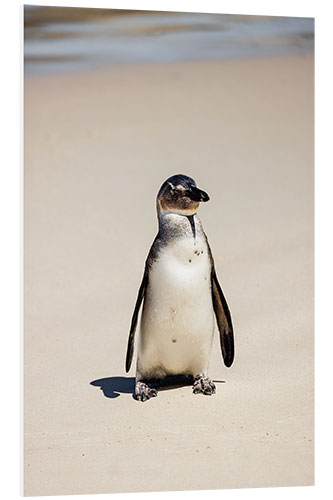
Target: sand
x: 98, y: 145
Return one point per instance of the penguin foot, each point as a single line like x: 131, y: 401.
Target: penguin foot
x: 143, y: 392
x: 203, y: 384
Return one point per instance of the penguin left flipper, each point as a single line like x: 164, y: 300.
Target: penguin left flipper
x: 223, y: 319
x: 141, y: 294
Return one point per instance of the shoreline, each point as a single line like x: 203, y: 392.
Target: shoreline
x: 114, y: 67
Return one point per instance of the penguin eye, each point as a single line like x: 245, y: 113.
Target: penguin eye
x: 180, y: 190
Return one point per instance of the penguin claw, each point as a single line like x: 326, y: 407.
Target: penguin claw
x: 204, y: 385
x: 143, y: 392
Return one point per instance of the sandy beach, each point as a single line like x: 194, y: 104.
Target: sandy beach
x: 98, y: 145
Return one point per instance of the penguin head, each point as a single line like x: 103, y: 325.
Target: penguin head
x: 179, y: 194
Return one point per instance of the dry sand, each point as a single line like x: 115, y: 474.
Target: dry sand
x: 97, y: 147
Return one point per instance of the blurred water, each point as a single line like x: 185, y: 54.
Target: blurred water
x: 69, y: 39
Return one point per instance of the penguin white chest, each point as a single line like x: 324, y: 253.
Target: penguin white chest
x: 177, y: 321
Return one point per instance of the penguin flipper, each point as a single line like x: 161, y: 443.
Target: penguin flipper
x: 130, y: 345
x: 223, y: 319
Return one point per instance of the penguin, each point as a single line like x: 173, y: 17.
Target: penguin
x: 181, y: 297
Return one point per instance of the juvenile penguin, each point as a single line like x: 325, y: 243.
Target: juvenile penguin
x: 180, y: 293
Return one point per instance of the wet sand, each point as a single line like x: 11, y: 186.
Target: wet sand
x: 98, y: 145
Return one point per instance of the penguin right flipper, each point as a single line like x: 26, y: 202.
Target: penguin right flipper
x: 130, y: 345
x: 223, y: 319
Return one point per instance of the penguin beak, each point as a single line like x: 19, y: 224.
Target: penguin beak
x: 197, y: 194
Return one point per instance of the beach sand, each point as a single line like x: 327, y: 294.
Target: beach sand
x: 98, y: 145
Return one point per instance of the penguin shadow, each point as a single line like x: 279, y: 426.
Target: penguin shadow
x: 113, y: 387
x: 176, y: 381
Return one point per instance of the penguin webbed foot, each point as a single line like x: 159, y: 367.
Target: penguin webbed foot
x: 143, y: 391
x: 204, y: 385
